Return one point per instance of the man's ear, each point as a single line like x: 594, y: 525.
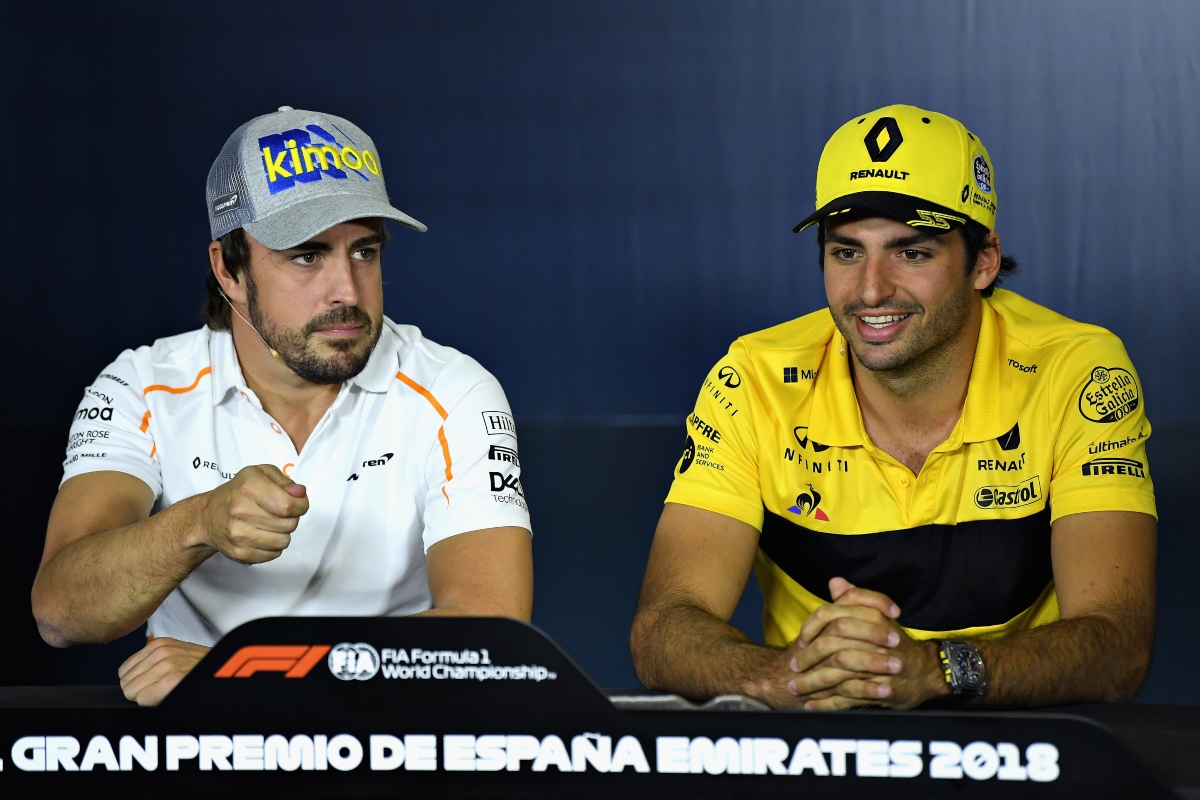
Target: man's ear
x: 229, y: 284
x: 987, y: 263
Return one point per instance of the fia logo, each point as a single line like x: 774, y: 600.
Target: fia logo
x: 353, y: 662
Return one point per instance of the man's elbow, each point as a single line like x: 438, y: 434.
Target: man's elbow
x: 51, y: 634
x: 1133, y: 676
x: 642, y: 638
x: 47, y: 621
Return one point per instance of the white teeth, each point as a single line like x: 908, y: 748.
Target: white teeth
x: 880, y: 322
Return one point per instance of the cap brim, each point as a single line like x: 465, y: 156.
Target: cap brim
x: 299, y: 223
x: 901, y: 207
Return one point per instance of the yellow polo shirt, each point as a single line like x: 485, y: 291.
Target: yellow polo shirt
x: 1054, y: 424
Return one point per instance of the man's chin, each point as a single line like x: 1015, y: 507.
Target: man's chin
x: 881, y: 356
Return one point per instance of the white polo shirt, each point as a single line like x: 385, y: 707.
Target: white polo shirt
x: 418, y: 447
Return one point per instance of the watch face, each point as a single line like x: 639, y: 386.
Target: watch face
x: 969, y: 666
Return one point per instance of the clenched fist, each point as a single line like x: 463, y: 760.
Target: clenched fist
x: 251, y: 518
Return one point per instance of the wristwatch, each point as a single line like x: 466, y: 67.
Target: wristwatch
x: 963, y: 668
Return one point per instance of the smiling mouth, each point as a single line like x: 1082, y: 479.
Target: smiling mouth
x: 884, y: 320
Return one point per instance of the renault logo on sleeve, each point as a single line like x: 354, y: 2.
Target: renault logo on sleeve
x: 894, y: 139
x: 353, y: 662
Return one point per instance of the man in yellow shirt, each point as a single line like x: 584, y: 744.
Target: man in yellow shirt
x: 942, y: 486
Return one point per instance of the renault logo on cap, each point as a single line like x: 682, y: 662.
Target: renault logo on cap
x: 894, y: 140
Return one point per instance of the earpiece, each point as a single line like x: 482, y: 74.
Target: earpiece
x: 233, y: 308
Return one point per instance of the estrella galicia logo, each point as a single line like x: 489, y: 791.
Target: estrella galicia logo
x: 883, y: 152
x: 1109, y: 395
x: 730, y: 377
x: 1114, y: 466
x: 293, y: 157
x: 689, y: 455
x: 983, y: 175
x: 1012, y: 439
x: 353, y: 662
x: 803, y: 441
x: 1022, y: 494
x: 808, y: 505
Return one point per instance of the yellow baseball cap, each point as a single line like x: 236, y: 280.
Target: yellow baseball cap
x: 919, y: 167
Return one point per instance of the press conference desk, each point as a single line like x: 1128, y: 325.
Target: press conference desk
x: 491, y: 708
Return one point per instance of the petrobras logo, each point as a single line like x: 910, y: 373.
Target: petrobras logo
x: 310, y: 154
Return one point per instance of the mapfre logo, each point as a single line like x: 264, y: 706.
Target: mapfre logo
x: 353, y: 661
x: 293, y: 660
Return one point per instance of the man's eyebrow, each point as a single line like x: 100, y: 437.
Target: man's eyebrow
x: 367, y: 241
x: 308, y: 247
x: 908, y: 241
x: 837, y: 238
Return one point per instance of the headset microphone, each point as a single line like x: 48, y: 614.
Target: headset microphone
x: 232, y: 308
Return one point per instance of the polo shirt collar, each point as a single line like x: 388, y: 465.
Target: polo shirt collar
x: 377, y: 375
x: 380, y: 372
x: 988, y: 413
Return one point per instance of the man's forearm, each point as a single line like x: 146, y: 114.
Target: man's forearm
x: 1080, y: 660
x: 103, y: 586
x: 684, y: 649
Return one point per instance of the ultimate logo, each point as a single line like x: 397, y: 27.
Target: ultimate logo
x: 1110, y: 394
x: 293, y: 157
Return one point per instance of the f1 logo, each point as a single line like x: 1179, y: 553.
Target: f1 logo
x: 293, y: 660
x: 894, y: 140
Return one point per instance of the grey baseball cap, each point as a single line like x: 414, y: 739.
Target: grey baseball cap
x: 288, y: 176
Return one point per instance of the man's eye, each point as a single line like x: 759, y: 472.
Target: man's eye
x: 913, y: 255
x: 844, y: 253
x: 307, y: 258
x: 366, y: 254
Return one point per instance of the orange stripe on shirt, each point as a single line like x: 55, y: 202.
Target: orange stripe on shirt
x: 421, y: 390
x: 145, y: 421
x: 445, y: 451
x: 158, y: 387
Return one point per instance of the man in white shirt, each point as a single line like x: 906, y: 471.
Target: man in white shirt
x: 301, y: 454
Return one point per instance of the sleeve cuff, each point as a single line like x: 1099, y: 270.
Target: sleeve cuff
x: 1080, y: 502
x: 718, y: 502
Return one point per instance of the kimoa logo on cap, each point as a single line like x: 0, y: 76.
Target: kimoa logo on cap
x: 293, y: 157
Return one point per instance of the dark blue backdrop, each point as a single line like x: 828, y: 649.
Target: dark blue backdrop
x: 609, y: 186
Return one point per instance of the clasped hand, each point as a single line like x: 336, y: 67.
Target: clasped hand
x: 852, y: 653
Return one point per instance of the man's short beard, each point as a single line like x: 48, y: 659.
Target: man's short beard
x: 922, y: 352
x: 293, y: 345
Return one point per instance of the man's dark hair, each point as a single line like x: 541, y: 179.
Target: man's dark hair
x: 235, y: 250
x: 974, y: 237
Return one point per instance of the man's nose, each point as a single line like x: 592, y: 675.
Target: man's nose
x: 875, y: 281
x: 341, y: 290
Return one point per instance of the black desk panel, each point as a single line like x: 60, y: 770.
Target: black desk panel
x: 452, y: 708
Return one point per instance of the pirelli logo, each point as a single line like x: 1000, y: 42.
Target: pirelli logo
x: 293, y: 660
x: 1114, y: 466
